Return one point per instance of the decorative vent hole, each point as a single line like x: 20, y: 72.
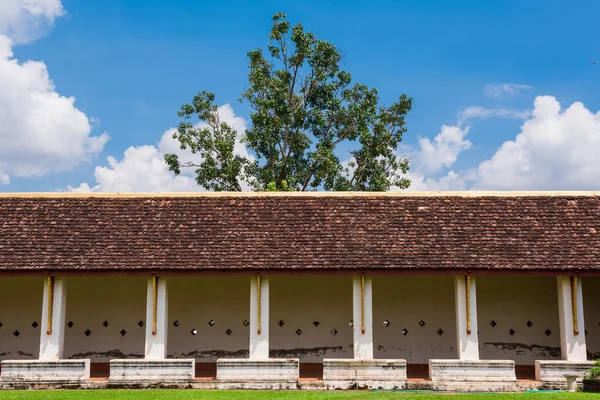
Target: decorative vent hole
x: 105, y: 324
x: 246, y: 323
x: 548, y: 332
x: 141, y: 324
x: 70, y: 324
x: 176, y: 324
x: 0, y: 324
x: 493, y: 324
x: 386, y: 323
x: 299, y: 332
x: 440, y: 332
x: 87, y: 332
x: 194, y: 332
x: 123, y: 332
x: 512, y: 332
x: 316, y: 323
x: 211, y: 323
x: 529, y: 324
x: 281, y: 323
x: 586, y: 332
x: 16, y: 333
x: 334, y: 332
x: 35, y: 324
x: 421, y: 323
x: 228, y: 332
x: 405, y: 331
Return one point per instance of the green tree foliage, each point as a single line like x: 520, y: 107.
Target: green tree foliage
x: 304, y: 109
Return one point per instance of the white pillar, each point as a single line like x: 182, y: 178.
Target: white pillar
x: 468, y: 343
x: 363, y: 341
x: 52, y: 343
x: 259, y: 342
x: 156, y: 344
x: 572, y: 345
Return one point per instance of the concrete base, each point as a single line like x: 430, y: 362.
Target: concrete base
x: 554, y: 371
x: 136, y: 370
x: 45, y: 371
x: 364, y: 374
x: 309, y: 385
x: 273, y: 373
x: 466, y: 375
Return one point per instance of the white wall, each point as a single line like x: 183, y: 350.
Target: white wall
x: 300, y: 300
x: 20, y: 306
x: 119, y: 300
x: 194, y: 301
x: 511, y: 302
x: 405, y: 301
x: 591, y: 307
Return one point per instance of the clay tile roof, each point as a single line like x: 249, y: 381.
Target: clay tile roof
x: 259, y: 231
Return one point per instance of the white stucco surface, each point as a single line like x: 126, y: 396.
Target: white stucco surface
x: 119, y: 300
x: 157, y: 320
x: 511, y: 302
x: 591, y: 311
x: 299, y: 301
x: 259, y: 318
x: 362, y: 310
x: 194, y: 302
x: 404, y: 301
x: 572, y: 343
x: 20, y: 306
x: 52, y: 328
x: 466, y: 313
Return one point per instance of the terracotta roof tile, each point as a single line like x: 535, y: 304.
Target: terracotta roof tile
x: 299, y: 232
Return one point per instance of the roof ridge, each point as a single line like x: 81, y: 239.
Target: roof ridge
x: 305, y: 194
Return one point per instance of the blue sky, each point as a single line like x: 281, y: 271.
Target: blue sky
x: 131, y: 64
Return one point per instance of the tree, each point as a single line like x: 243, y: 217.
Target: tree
x: 304, y: 109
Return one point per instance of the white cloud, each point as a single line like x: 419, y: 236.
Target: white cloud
x: 442, y: 152
x: 40, y: 130
x: 481, y: 112
x: 555, y: 150
x: 451, y: 181
x: 143, y: 169
x: 27, y: 20
x: 4, y: 177
x: 502, y: 90
x: 434, y: 156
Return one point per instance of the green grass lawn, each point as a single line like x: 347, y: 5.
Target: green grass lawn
x: 167, y: 394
